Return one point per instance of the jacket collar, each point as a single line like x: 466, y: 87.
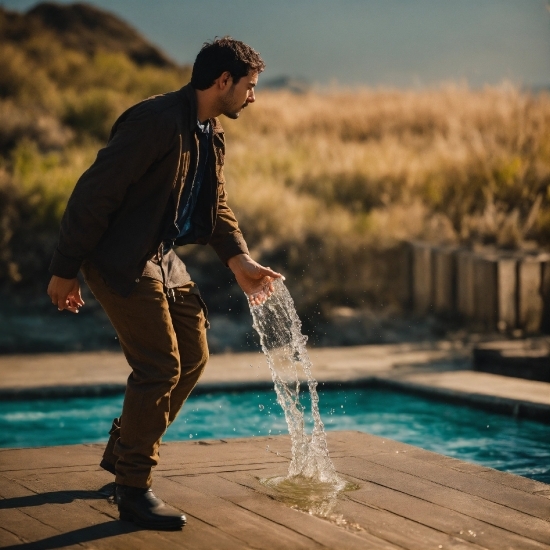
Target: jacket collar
x: 189, y: 93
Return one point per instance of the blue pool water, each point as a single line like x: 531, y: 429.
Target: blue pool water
x: 518, y: 446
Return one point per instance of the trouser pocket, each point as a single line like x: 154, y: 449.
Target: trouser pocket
x: 204, y: 310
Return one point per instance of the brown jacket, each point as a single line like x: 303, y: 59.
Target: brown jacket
x: 119, y: 208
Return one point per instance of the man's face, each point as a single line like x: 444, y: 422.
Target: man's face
x: 239, y: 95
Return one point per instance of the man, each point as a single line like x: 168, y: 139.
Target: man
x: 158, y: 184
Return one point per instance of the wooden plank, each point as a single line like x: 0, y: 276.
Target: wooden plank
x: 25, y: 526
x: 402, y: 532
x: 517, y: 482
x: 38, y: 458
x: 448, y: 499
x: 364, y: 445
x: 229, y: 517
x: 84, y: 521
x: 530, y: 304
x: 320, y: 531
x: 447, y: 521
x: 68, y: 515
x: 218, y: 451
x: 470, y: 484
x: 397, y: 530
x: 9, y: 539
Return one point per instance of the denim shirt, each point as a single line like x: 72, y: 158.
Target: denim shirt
x: 182, y: 225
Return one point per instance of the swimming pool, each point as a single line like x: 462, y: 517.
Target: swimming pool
x: 517, y: 446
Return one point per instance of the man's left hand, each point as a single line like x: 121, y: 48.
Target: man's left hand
x: 255, y: 280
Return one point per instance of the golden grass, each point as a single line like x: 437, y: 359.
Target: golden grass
x: 324, y: 184
x: 378, y: 166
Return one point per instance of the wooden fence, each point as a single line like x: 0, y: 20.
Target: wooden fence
x: 494, y: 289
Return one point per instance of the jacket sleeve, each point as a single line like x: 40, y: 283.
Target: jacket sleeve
x: 227, y: 239
x: 135, y: 143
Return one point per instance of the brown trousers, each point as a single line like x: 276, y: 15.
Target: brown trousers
x: 164, y: 341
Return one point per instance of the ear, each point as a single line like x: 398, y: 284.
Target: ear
x: 224, y: 80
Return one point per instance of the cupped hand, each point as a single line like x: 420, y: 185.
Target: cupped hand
x: 65, y: 294
x: 255, y: 280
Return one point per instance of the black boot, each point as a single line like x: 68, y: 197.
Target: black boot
x: 146, y: 510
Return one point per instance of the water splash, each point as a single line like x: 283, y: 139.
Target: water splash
x: 312, y: 483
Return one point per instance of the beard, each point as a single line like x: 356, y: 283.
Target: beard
x: 229, y: 109
x: 232, y: 113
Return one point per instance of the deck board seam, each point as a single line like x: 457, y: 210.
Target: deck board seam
x: 196, y: 518
x: 413, y: 521
x: 215, y: 472
x: 225, y: 533
x: 22, y: 510
x: 83, y: 501
x: 265, y: 517
x: 465, y: 514
x: 16, y: 535
x: 276, y: 522
x: 378, y: 508
x: 94, y: 465
x: 461, y: 490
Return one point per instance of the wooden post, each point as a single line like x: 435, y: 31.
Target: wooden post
x: 495, y: 291
x: 444, y: 283
x: 422, y: 277
x: 530, y: 304
x: 485, y: 291
x: 404, y: 290
x: 465, y: 299
x: 507, y: 293
x: 545, y: 291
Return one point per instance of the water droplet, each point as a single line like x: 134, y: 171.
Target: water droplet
x: 190, y: 436
x: 234, y: 429
x: 261, y: 407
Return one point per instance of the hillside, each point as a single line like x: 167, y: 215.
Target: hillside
x: 81, y: 28
x: 66, y: 73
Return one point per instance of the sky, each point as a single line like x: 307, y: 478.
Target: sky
x: 401, y: 43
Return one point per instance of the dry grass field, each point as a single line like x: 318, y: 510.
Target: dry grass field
x: 325, y: 184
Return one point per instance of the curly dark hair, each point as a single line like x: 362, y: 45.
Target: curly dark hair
x: 224, y: 54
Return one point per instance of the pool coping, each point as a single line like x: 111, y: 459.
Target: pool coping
x: 440, y: 370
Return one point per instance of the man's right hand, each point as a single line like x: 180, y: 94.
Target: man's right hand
x: 65, y: 294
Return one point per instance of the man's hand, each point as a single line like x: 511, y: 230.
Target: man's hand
x: 255, y: 280
x: 65, y: 294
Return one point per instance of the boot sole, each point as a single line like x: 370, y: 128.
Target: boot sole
x: 164, y: 526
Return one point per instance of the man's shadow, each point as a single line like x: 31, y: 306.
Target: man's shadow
x: 86, y: 534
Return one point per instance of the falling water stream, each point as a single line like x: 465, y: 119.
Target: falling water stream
x: 312, y: 484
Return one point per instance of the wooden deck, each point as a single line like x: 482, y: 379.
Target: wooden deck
x: 408, y: 498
